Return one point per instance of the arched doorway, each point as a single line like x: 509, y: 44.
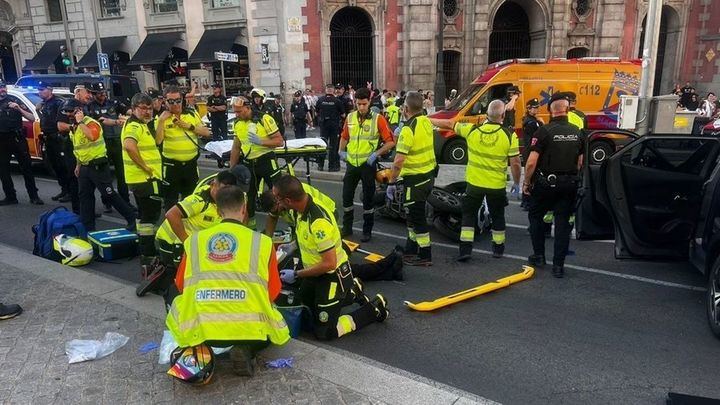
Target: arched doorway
x: 668, y: 42
x: 351, y: 47
x: 518, y: 31
x: 451, y: 70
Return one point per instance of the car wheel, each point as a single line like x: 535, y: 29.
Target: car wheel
x: 713, y: 299
x: 448, y: 226
x: 455, y: 152
x: 444, y: 202
x: 600, y: 151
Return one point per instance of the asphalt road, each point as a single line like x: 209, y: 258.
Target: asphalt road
x: 610, y: 332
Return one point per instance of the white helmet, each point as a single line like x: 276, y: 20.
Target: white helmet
x: 74, y: 251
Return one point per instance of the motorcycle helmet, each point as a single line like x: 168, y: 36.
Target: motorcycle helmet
x: 383, y: 176
x: 73, y: 251
x: 192, y: 365
x: 257, y: 92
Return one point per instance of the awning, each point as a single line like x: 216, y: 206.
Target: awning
x: 109, y: 46
x: 155, y: 48
x: 46, y: 55
x: 218, y: 40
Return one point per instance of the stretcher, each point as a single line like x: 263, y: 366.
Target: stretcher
x: 308, y: 149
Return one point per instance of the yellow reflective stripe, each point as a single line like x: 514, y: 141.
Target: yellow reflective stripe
x: 428, y: 148
x: 429, y: 163
x: 222, y: 275
x: 498, y: 237
x: 411, y: 234
x: 478, y: 153
x: 487, y: 167
x: 204, y: 317
x: 423, y: 239
x: 345, y: 325
x: 194, y: 253
x: 99, y: 142
x: 147, y: 148
x: 332, y: 291
x: 467, y: 234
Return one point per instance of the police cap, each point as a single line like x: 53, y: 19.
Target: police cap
x: 298, y: 93
x: 560, y: 95
x: 339, y: 86
x: 154, y: 93
x: 71, y: 105
x: 44, y: 85
x: 533, y: 103
x: 571, y: 96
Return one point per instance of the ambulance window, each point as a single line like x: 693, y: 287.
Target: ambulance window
x: 493, y: 93
x: 464, y: 97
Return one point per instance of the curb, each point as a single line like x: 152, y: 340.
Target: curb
x: 364, y: 376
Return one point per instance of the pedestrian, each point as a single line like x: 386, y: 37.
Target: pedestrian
x: 14, y: 143
x: 178, y: 131
x: 9, y: 311
x: 327, y: 282
x: 310, y: 101
x: 48, y: 110
x: 415, y: 164
x: 392, y: 113
x: 360, y: 145
x: 111, y: 113
x: 256, y: 137
x: 687, y: 91
x: 217, y: 109
x: 330, y: 112
x: 300, y: 115
x: 93, y: 165
x: 345, y: 98
x: 275, y: 108
x: 239, y: 264
x: 401, y: 100
x: 491, y: 147
x: 512, y: 94
x: 575, y: 116
x: 551, y: 181
x: 158, y: 106
x: 530, y: 123
x: 143, y: 172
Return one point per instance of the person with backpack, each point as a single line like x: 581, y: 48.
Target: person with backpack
x: 491, y: 146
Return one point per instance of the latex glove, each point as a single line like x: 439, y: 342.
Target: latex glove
x: 288, y: 276
x: 372, y: 158
x: 253, y: 138
x: 390, y: 192
x: 515, y: 190
x: 343, y: 155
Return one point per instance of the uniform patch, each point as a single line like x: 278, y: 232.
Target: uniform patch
x: 222, y: 247
x: 323, y: 316
x: 533, y: 142
x: 320, y: 234
x: 220, y: 294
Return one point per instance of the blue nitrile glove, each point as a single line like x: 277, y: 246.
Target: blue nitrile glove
x: 343, y: 155
x: 372, y: 158
x: 253, y: 138
x: 390, y: 192
x: 515, y: 190
x: 288, y: 276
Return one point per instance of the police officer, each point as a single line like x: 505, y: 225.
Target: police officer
x: 530, y: 123
x: 13, y: 143
x: 300, y: 114
x: 511, y: 97
x: 360, y: 141
x: 490, y: 147
x: 330, y: 112
x: 143, y: 172
x: 158, y: 106
x: 178, y: 130
x: 575, y: 116
x: 415, y: 164
x: 111, y: 114
x: 255, y: 138
x: 274, y: 107
x: 217, y: 108
x: 48, y: 110
x: 93, y: 165
x: 257, y: 97
x: 327, y: 281
x: 551, y: 180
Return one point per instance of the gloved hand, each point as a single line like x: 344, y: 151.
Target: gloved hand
x: 515, y: 190
x: 390, y: 192
x: 343, y: 155
x: 253, y: 138
x: 288, y: 276
x: 372, y: 158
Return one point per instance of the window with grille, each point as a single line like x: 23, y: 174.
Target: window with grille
x: 225, y: 3
x: 165, y: 6
x: 53, y: 10
x: 579, y: 52
x: 110, y: 8
x: 450, y: 8
x: 582, y: 7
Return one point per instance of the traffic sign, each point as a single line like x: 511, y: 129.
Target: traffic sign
x: 103, y: 63
x: 226, y: 57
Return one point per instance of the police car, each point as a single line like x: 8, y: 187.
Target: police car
x: 659, y: 197
x: 230, y: 123
x: 30, y: 98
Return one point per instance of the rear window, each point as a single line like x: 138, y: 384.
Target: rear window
x: 464, y: 97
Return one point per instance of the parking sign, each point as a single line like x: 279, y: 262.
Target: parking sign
x: 104, y: 63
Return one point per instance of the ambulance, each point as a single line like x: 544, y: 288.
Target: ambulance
x: 598, y: 83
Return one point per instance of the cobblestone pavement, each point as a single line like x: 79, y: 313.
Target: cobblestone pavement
x: 35, y: 369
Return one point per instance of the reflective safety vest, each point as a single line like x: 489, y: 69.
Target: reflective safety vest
x: 416, y: 142
x: 318, y: 198
x: 575, y: 119
x: 263, y: 127
x: 225, y: 289
x: 149, y: 153
x: 364, y: 138
x: 200, y: 213
x: 489, y: 147
x: 84, y: 149
x: 180, y: 144
x: 393, y: 114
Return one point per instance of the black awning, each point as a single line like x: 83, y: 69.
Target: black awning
x: 218, y: 40
x: 46, y: 55
x: 155, y: 48
x: 110, y: 45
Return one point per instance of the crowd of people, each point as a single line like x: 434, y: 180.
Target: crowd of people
x: 707, y: 109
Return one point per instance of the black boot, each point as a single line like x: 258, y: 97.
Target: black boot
x: 465, y: 251
x: 558, y: 271
x: 423, y: 259
x: 537, y: 260
x: 59, y: 196
x: 411, y: 249
x: 498, y: 250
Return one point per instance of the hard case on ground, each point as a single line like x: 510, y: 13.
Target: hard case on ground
x: 113, y: 244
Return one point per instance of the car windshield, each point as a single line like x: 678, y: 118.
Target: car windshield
x: 464, y: 97
x: 33, y: 97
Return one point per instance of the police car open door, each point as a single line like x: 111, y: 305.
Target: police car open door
x: 653, y: 188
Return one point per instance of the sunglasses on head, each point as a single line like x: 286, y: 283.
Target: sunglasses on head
x: 173, y: 100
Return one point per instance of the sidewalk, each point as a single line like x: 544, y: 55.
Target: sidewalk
x: 63, y: 303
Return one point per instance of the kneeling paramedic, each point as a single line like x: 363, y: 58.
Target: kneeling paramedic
x: 327, y: 280
x: 93, y: 166
x: 227, y: 282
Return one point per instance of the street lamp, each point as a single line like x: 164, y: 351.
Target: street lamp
x: 440, y: 63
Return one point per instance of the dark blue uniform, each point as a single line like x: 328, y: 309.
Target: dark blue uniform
x: 330, y: 111
x: 218, y: 119
x: 299, y: 111
x: 13, y: 143
x: 55, y: 146
x: 111, y: 133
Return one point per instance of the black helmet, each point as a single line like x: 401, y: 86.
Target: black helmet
x: 71, y: 105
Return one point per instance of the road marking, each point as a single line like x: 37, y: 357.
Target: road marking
x: 571, y: 266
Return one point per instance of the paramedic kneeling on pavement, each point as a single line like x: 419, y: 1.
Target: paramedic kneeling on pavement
x: 227, y: 282
x: 327, y: 279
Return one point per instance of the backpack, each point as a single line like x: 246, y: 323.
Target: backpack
x: 52, y: 223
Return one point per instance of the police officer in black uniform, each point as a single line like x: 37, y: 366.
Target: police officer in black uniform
x: 551, y: 180
x: 217, y: 109
x: 273, y: 106
x: 13, y: 143
x: 54, y: 143
x: 530, y: 123
x: 299, y: 111
x: 330, y: 112
x: 511, y: 97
